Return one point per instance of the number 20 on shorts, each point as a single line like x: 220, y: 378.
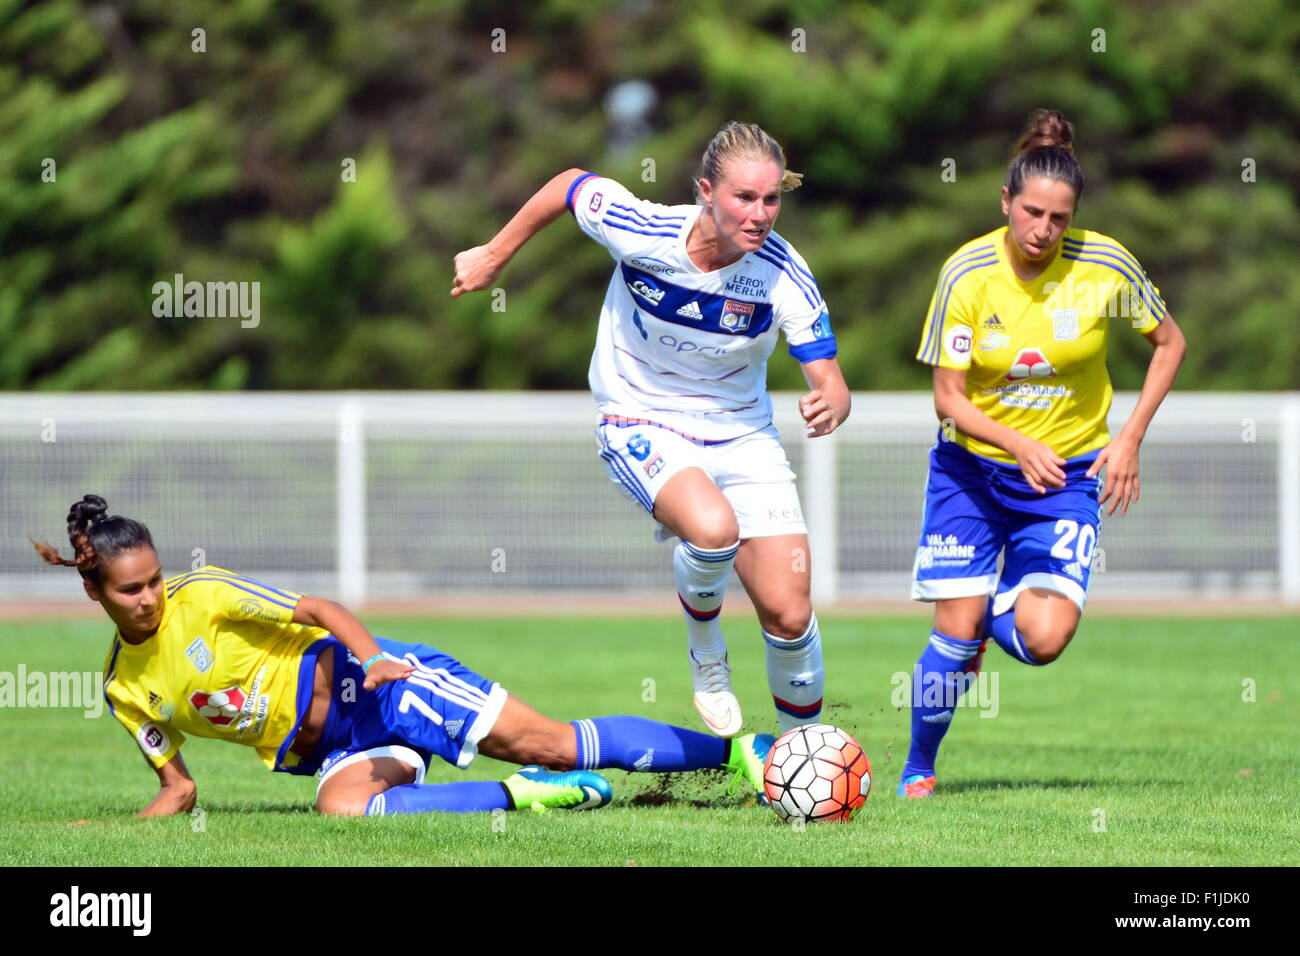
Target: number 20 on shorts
x: 1068, y: 531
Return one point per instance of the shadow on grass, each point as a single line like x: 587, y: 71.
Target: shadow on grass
x: 300, y: 809
x: 1057, y: 783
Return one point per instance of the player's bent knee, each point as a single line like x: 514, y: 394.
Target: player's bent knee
x: 789, y: 624
x: 959, y: 622
x: 721, y: 532
x: 1047, y: 646
x: 348, y: 805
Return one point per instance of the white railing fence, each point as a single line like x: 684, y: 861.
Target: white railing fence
x: 373, y: 496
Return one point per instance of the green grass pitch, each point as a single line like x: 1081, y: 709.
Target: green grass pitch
x: 1136, y: 748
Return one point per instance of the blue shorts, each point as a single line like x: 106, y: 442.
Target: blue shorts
x: 975, y: 508
x: 443, y: 709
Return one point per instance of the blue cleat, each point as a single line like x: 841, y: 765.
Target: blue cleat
x: 543, y: 789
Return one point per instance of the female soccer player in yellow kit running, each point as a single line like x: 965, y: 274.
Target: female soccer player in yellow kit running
x: 210, y: 653
x: 1017, y: 333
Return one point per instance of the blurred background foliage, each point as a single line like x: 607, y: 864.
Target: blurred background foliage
x: 228, y: 164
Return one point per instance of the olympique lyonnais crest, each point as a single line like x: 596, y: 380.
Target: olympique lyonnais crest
x: 736, y: 315
x: 1030, y: 363
x: 220, y: 707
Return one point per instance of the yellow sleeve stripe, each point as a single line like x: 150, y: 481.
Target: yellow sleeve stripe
x: 285, y: 599
x: 953, y: 269
x: 1119, y: 259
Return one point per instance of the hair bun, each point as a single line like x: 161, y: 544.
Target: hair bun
x: 88, y: 510
x: 1045, y: 128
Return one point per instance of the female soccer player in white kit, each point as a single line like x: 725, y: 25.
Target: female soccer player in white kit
x: 679, y: 372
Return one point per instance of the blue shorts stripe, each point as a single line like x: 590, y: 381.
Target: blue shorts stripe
x: 442, y: 683
x: 440, y: 709
x: 622, y: 473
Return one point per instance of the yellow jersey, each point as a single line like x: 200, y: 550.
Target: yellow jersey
x: 226, y: 662
x: 1035, y: 352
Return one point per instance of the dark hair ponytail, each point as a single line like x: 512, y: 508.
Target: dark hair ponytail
x: 96, y: 537
x: 1045, y: 149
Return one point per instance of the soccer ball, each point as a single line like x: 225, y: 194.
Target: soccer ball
x: 818, y: 773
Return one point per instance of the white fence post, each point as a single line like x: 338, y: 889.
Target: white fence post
x: 351, y: 503
x: 820, y: 502
x: 1288, y: 501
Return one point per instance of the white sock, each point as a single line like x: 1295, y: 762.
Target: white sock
x: 796, y: 677
x: 701, y: 576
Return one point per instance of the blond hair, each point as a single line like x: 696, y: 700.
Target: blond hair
x: 738, y: 141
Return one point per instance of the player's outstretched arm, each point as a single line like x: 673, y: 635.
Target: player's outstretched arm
x: 825, y: 408
x: 1120, y: 457
x: 178, y: 792
x: 479, y: 267
x: 343, y: 624
x: 1040, y: 465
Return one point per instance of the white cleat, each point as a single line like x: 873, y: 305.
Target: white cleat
x: 716, y: 704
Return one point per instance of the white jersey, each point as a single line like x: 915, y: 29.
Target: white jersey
x: 684, y: 348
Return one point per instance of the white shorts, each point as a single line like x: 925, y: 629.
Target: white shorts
x: 752, y: 472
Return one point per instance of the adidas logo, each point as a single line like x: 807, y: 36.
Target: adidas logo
x: 453, y: 727
x: 644, y: 761
x: 691, y: 310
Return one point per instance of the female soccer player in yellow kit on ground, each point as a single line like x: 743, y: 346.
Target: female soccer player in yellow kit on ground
x: 210, y: 653
x: 1017, y: 333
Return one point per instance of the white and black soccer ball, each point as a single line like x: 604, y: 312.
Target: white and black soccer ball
x: 816, y: 773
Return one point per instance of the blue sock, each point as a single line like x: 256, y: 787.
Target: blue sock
x: 636, y: 744
x: 938, y: 680
x: 1003, y: 631
x: 465, y: 796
